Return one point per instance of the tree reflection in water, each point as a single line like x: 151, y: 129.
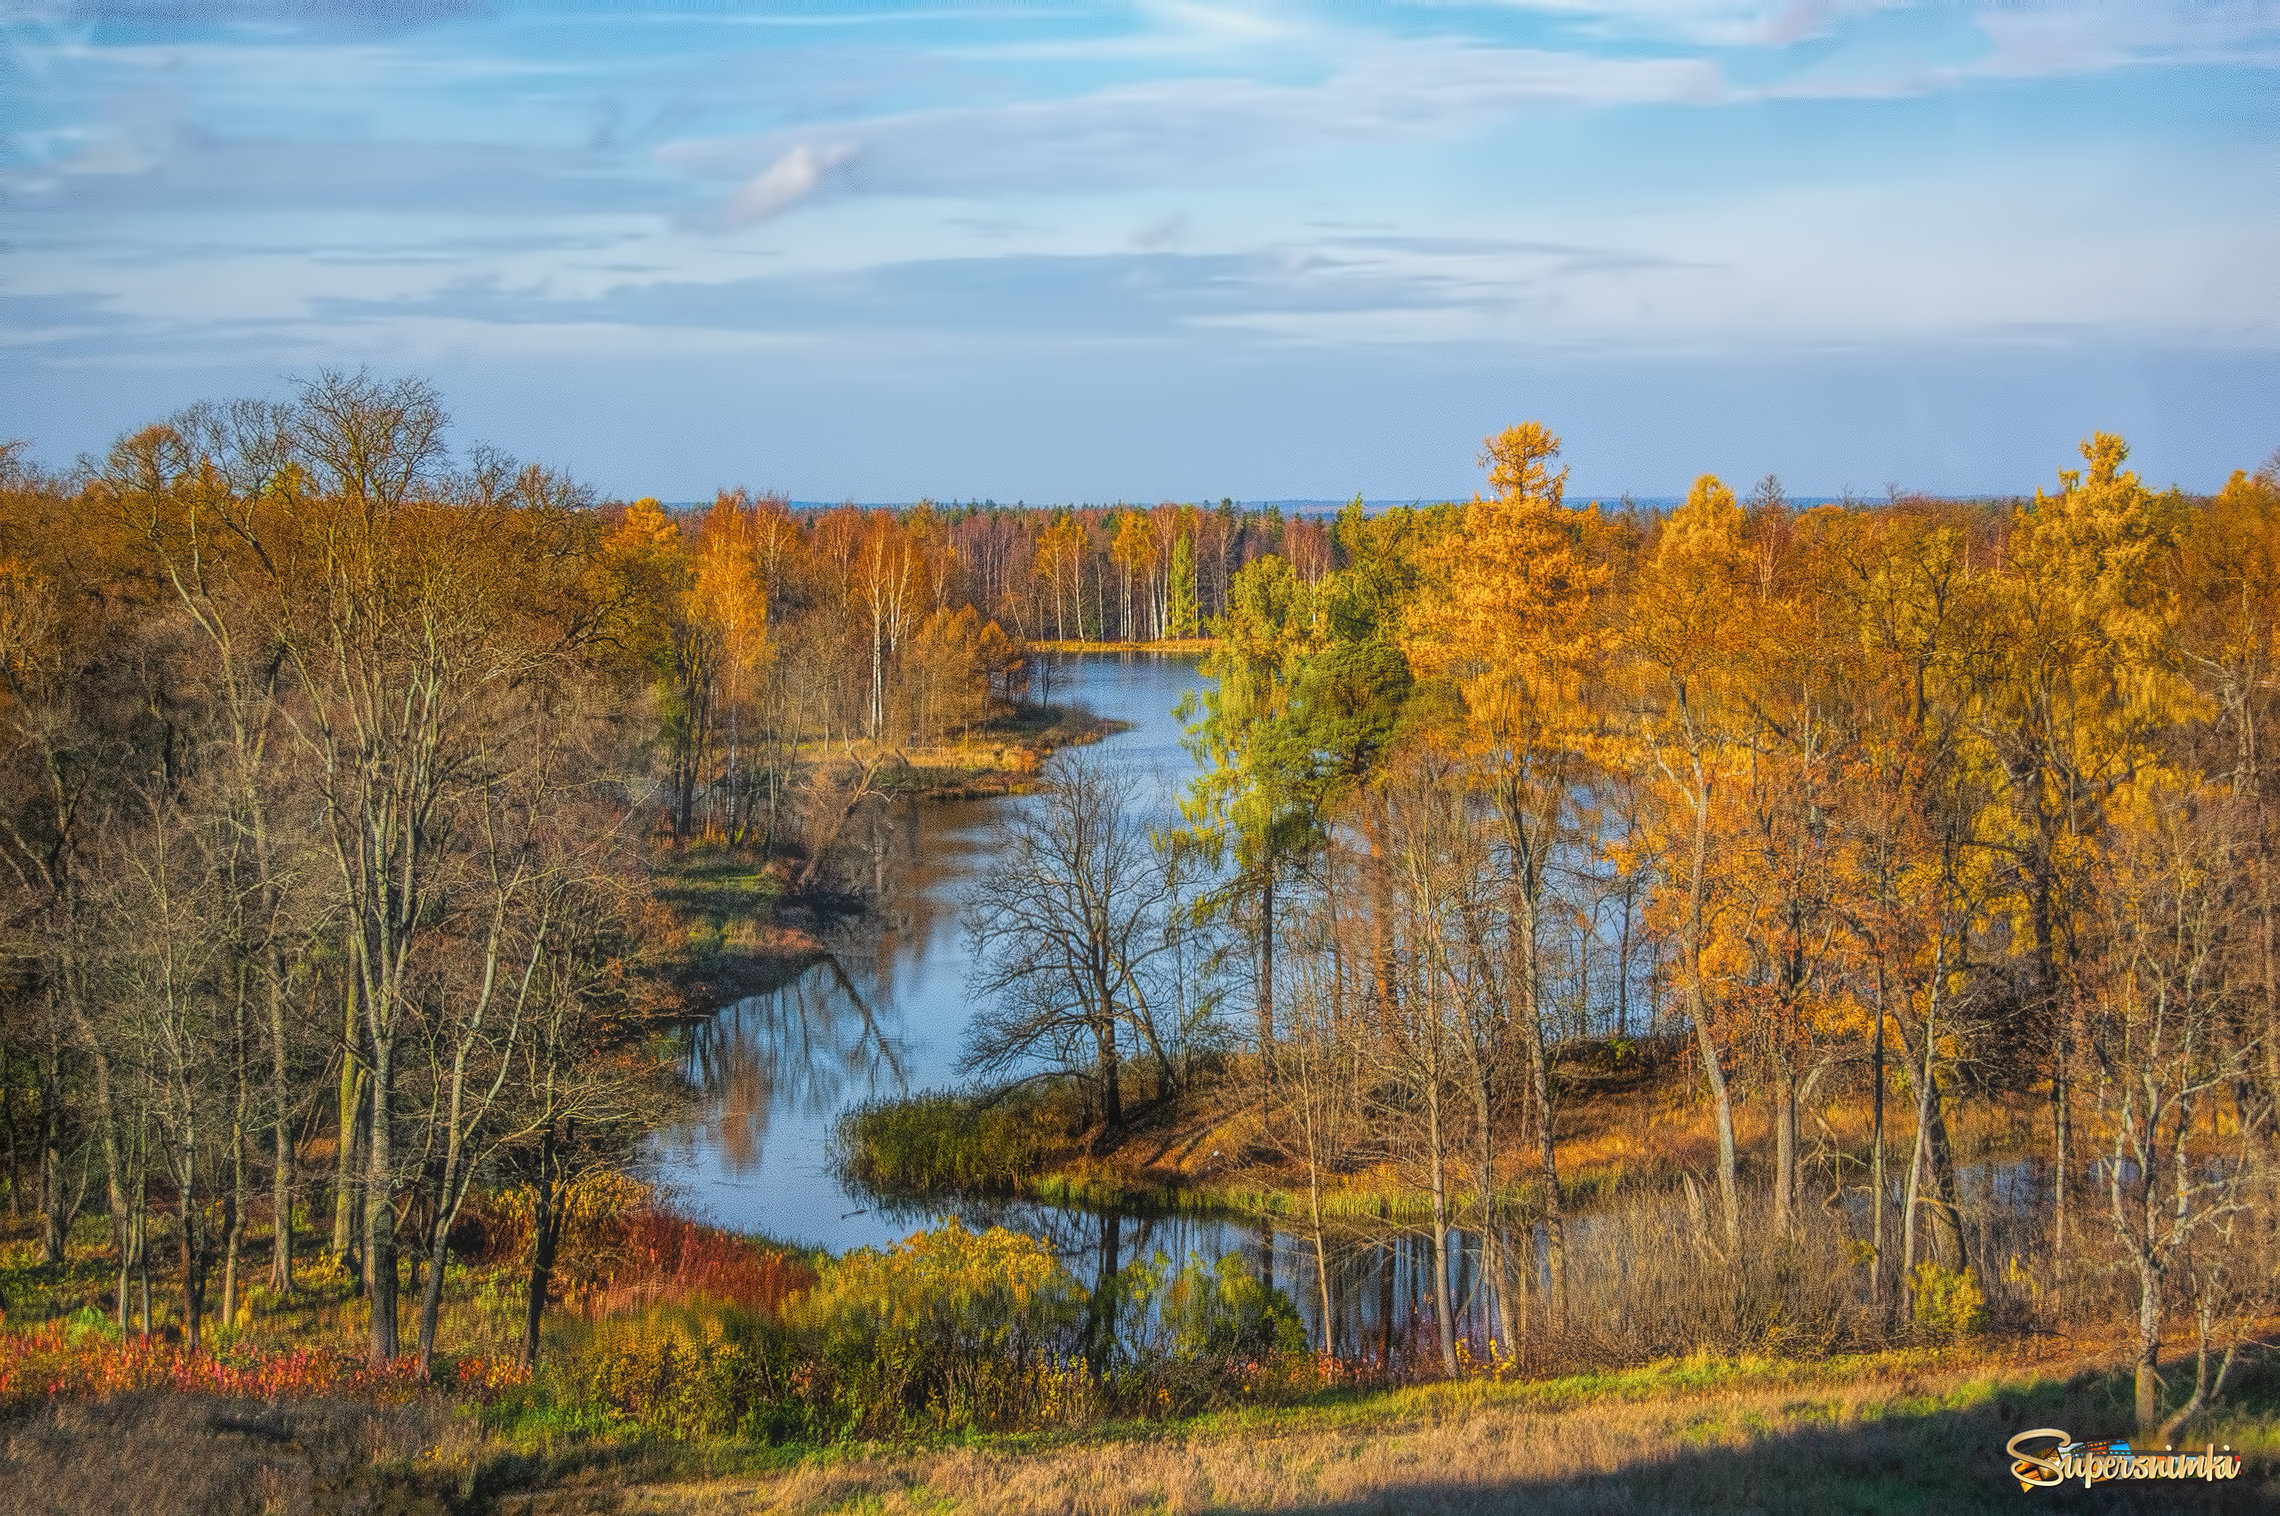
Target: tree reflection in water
x: 1381, y: 1278
x: 806, y: 1049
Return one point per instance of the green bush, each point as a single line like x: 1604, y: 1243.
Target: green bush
x: 1946, y: 1303
x: 947, y: 1331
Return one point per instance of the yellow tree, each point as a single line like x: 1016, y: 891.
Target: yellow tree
x: 890, y: 573
x: 1693, y: 734
x: 1915, y: 875
x: 2082, y: 690
x: 729, y: 598
x: 2230, y: 640
x: 1135, y: 552
x: 645, y: 550
x: 1782, y: 848
x: 1060, y: 568
x: 1505, y: 615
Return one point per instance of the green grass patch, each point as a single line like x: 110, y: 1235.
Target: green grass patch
x: 939, y: 1142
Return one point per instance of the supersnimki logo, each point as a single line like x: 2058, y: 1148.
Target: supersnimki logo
x: 2037, y: 1467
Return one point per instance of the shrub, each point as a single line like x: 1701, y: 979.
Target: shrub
x: 659, y: 1258
x: 70, y: 1360
x: 948, y: 1330
x: 1946, y: 1303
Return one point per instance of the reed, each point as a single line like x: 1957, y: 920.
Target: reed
x: 936, y: 1143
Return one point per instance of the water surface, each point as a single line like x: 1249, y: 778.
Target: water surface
x: 886, y: 1013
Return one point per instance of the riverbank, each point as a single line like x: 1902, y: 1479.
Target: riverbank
x: 1898, y: 1432
x: 639, y: 1406
x: 721, y: 938
x: 1630, y: 1118
x: 1194, y: 647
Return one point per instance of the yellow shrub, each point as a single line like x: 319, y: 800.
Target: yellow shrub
x: 1946, y: 1302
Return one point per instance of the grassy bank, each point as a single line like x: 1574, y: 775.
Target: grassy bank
x: 1631, y: 1119
x: 1887, y: 1433
x: 691, y: 1371
x: 1001, y: 758
x: 723, y: 936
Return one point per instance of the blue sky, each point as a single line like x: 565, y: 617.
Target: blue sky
x: 1075, y: 251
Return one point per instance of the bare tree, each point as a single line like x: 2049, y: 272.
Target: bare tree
x: 2159, y: 1045
x: 1071, y: 934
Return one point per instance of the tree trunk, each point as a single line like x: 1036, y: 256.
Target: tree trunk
x: 1785, y: 1147
x: 1555, y: 1227
x: 1722, y: 1105
x: 1111, y: 1089
x: 1385, y: 1291
x: 191, y: 1246
x: 351, y: 1106
x: 56, y: 1222
x: 1266, y: 972
x: 546, y: 1231
x: 1322, y: 1264
x: 431, y: 1290
x: 142, y: 1232
x: 1876, y: 1150
x: 1444, y: 1320
x: 281, y: 1172
x: 2058, y: 1141
x: 233, y: 1230
x: 2149, y: 1348
x: 379, y: 1204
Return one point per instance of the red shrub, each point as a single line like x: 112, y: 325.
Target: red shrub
x: 663, y: 1258
x: 54, y: 1361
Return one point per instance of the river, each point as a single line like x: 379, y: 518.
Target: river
x: 886, y: 1013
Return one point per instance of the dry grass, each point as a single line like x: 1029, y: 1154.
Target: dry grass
x: 1769, y: 1439
x: 161, y: 1454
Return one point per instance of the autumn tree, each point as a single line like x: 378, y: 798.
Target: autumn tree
x: 1693, y: 737
x: 1505, y: 615
x: 2073, y: 710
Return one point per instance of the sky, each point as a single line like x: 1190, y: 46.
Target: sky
x: 1057, y: 250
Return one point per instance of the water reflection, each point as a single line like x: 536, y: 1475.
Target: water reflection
x: 886, y: 1011
x: 808, y: 1049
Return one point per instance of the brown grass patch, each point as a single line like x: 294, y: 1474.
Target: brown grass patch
x: 1885, y: 1441
x: 156, y: 1453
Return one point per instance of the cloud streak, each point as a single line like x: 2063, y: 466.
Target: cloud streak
x: 1169, y: 131
x: 782, y: 185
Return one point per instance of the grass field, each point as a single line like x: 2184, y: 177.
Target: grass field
x: 1892, y: 1433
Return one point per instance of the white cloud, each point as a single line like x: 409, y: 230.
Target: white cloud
x: 783, y: 184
